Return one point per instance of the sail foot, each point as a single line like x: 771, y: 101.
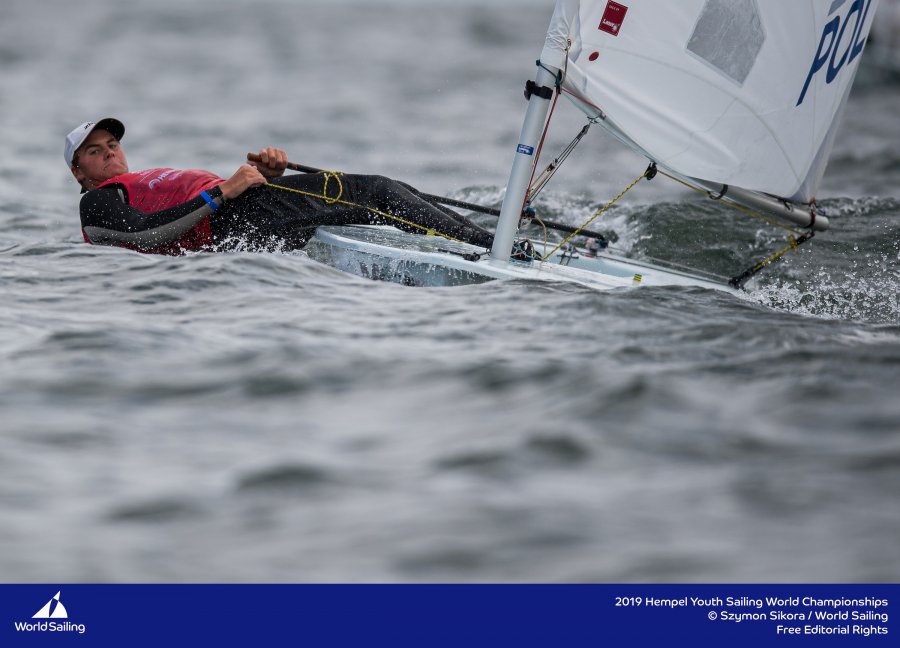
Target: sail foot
x: 795, y: 213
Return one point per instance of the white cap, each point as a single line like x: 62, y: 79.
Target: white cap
x: 76, y: 138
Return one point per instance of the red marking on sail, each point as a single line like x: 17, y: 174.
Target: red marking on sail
x: 613, y: 18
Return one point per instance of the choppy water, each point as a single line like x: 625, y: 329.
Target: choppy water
x: 260, y: 417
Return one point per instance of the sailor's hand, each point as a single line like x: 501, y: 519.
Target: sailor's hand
x: 272, y: 162
x: 243, y: 179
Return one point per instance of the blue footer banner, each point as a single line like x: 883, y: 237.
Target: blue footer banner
x: 448, y: 615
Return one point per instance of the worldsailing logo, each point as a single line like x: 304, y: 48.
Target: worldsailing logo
x: 53, y: 609
x: 59, y: 610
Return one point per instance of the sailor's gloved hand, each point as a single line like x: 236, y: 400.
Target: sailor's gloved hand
x: 273, y: 162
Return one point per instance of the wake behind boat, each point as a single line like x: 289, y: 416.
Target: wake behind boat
x: 737, y: 99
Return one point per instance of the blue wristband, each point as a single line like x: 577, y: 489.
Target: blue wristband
x: 209, y: 201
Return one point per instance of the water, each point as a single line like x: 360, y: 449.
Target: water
x: 260, y: 417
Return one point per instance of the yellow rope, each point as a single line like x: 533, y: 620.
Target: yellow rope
x: 337, y: 200
x: 544, y: 227
x: 595, y: 216
x: 793, y: 245
x: 336, y: 176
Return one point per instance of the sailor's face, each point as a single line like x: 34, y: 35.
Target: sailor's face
x: 100, y: 158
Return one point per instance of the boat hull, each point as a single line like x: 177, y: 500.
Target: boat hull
x: 386, y: 254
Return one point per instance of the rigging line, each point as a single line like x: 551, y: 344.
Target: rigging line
x: 548, y: 173
x: 559, y: 79
x: 337, y: 200
x: 600, y: 114
x: 600, y: 211
x: 796, y: 238
x: 543, y: 225
x: 739, y: 280
x: 540, y: 148
x: 738, y: 207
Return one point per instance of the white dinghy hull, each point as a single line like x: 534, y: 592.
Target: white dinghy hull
x: 386, y: 254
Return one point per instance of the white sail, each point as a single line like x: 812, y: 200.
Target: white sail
x: 744, y: 93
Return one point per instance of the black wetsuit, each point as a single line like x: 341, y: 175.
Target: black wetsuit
x: 268, y: 217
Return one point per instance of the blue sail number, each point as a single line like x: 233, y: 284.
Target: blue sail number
x: 830, y: 50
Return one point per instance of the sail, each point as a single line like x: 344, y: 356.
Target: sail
x: 745, y: 93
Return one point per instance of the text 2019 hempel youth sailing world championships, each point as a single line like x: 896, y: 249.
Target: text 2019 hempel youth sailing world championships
x: 801, y: 615
x: 739, y: 100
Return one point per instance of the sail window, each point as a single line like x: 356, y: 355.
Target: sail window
x: 729, y: 36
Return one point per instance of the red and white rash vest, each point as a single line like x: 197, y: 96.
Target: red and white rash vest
x: 157, y: 189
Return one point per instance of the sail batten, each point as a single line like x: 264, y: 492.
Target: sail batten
x: 744, y: 93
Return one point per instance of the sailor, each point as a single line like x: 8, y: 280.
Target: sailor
x: 170, y: 211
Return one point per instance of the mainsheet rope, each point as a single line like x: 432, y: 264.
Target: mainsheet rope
x: 338, y: 200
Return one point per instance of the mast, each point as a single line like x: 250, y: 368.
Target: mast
x: 539, y: 96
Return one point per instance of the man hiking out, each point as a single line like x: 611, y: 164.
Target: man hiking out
x: 170, y: 211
